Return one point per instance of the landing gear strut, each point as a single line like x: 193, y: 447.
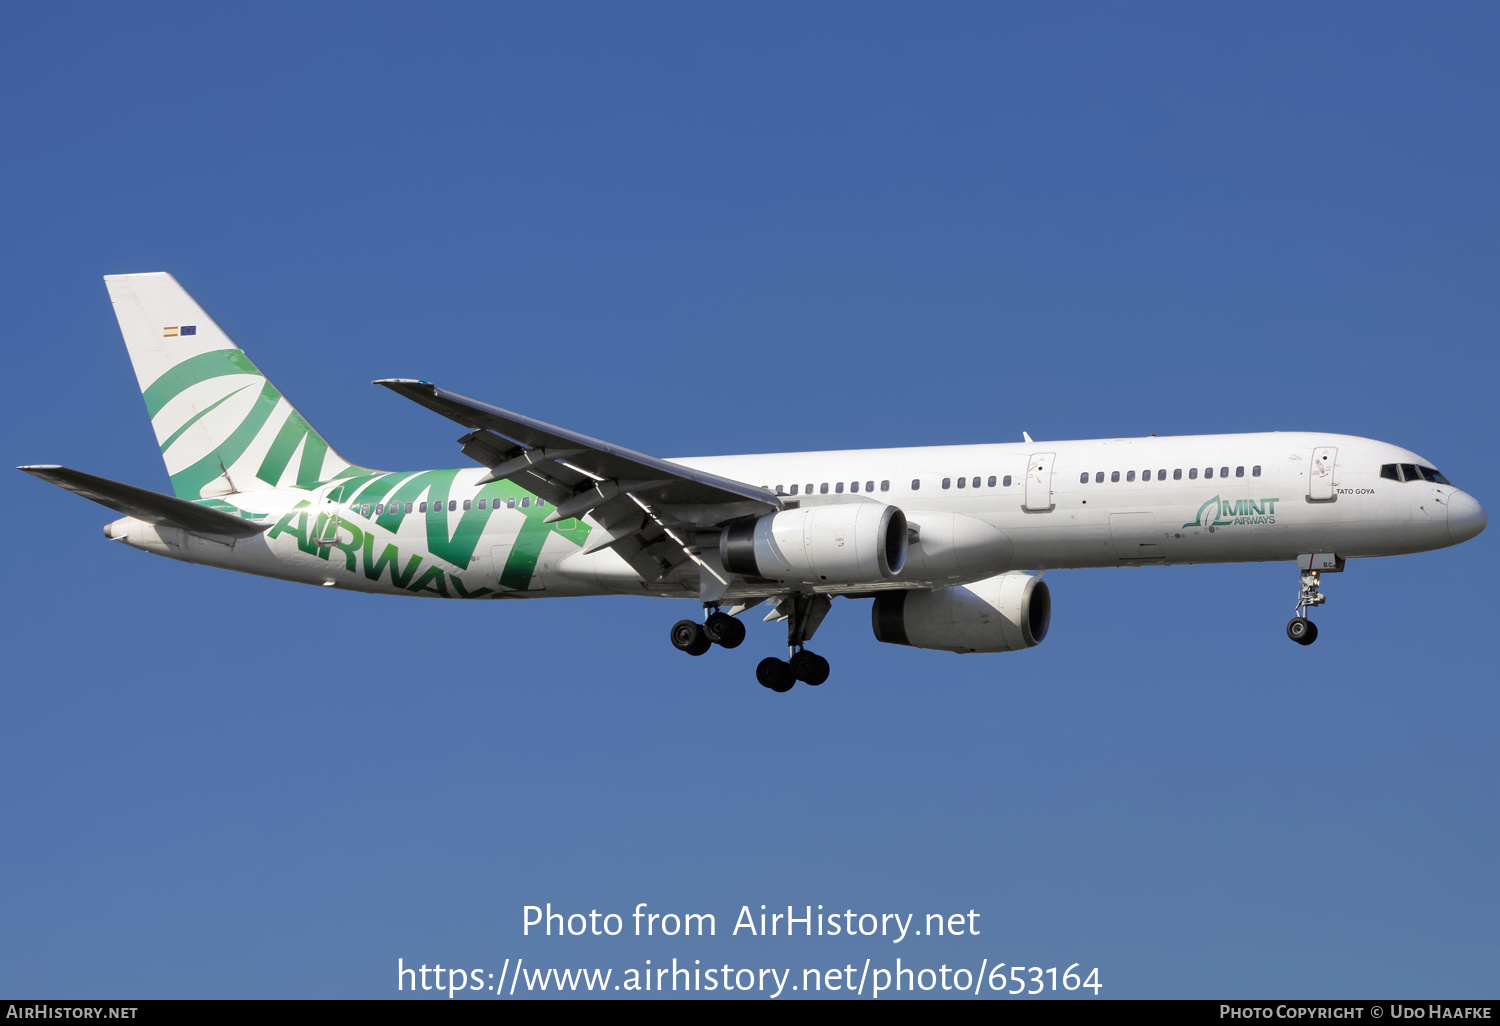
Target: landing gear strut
x: 1300, y: 629
x: 803, y: 614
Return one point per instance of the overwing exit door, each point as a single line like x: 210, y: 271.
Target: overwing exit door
x: 1039, y: 483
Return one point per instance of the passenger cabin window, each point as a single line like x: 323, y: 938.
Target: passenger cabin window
x: 1223, y: 471
x: 947, y: 482
x: 510, y: 503
x: 854, y: 486
x: 1161, y: 475
x: 885, y: 486
x: 1130, y: 475
x: 1006, y: 482
x: 423, y: 507
x: 992, y: 480
x: 1083, y: 478
x: 838, y: 488
x: 1255, y: 471
x: 1239, y: 471
x: 794, y: 489
x: 809, y: 488
x: 1177, y: 474
x: 823, y: 488
x: 870, y: 486
x: 408, y: 507
x: 963, y: 482
x: 1114, y: 476
x: 1099, y: 477
x: 1192, y: 473
x: 1208, y: 471
x: 916, y: 483
x: 467, y: 504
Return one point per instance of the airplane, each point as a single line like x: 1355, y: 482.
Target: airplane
x: 950, y: 542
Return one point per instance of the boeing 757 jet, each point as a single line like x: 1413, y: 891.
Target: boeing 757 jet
x: 949, y: 542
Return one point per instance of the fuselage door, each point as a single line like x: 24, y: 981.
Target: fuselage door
x: 1320, y: 475
x: 1039, y: 483
x: 1135, y: 535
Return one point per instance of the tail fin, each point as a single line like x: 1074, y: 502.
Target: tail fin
x: 221, y: 425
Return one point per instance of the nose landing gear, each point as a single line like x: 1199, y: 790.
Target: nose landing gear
x: 1300, y: 629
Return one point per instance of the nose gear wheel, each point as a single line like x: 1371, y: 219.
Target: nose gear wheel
x: 1300, y: 629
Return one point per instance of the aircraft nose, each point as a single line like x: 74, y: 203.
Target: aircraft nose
x: 1466, y: 517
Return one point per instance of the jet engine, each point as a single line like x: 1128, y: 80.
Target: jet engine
x: 999, y: 614
x: 844, y: 543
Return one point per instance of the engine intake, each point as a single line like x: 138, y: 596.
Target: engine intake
x: 1000, y: 614
x: 846, y: 543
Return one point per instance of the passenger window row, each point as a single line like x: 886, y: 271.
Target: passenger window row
x: 965, y: 482
x: 383, y: 508
x: 1161, y: 475
x: 1412, y: 472
x: 837, y: 486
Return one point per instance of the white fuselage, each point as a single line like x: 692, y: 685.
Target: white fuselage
x: 1106, y: 502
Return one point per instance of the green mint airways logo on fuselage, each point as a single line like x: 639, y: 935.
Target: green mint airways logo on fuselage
x: 368, y: 543
x: 1217, y: 512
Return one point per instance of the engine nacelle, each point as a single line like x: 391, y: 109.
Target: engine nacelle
x: 999, y: 614
x: 845, y: 543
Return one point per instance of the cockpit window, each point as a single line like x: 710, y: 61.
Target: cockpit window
x: 1412, y: 472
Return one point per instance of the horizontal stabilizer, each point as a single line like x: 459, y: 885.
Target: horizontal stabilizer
x: 144, y: 504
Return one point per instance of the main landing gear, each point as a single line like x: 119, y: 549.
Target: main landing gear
x: 781, y: 674
x: 803, y: 613
x: 719, y: 629
x: 1299, y: 628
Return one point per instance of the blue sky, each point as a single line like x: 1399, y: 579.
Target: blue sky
x: 710, y: 229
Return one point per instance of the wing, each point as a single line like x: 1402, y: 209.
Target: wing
x: 656, y: 514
